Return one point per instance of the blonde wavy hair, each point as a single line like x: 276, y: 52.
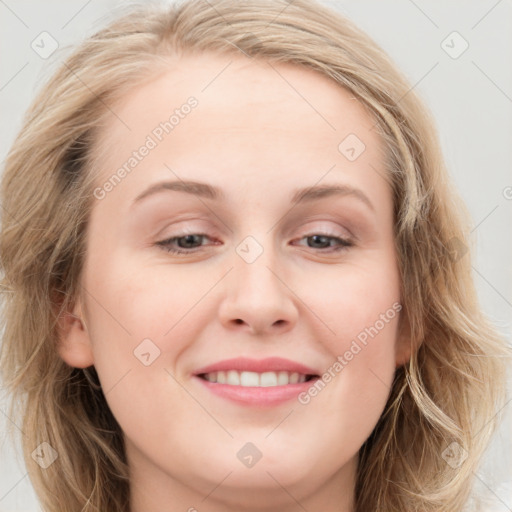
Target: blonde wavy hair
x: 451, y: 389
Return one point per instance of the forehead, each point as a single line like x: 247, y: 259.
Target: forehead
x: 228, y: 81
x: 252, y: 120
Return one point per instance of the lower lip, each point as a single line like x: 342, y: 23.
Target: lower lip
x: 258, y: 396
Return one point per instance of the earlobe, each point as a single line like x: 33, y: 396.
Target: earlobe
x: 74, y: 345
x: 403, y: 355
x: 403, y: 348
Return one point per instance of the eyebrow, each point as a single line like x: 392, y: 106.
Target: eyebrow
x: 214, y: 193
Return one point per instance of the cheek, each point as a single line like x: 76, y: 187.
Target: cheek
x: 351, y: 395
x: 361, y: 308
x: 133, y: 302
x: 141, y: 321
x: 357, y: 302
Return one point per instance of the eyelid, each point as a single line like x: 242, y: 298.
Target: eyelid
x: 185, y: 227
x: 326, y: 220
x: 327, y: 229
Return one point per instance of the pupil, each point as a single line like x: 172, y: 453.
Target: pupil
x: 318, y: 239
x: 188, y: 239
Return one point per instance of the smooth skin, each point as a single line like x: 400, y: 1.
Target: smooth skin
x: 258, y: 133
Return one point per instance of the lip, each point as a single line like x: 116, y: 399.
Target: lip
x: 269, y: 364
x: 257, y: 396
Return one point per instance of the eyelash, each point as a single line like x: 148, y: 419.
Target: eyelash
x: 166, y: 245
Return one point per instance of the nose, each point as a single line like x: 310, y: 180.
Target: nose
x: 257, y: 298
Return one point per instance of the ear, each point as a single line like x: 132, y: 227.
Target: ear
x: 403, y: 346
x: 74, y: 345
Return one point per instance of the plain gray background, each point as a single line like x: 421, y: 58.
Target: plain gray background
x: 470, y: 96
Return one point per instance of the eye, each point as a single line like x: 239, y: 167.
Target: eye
x: 324, y: 241
x: 182, y: 244
x: 190, y: 242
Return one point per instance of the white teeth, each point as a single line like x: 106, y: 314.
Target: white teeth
x: 282, y: 378
x: 268, y: 379
x: 249, y: 379
x: 232, y: 378
x: 254, y: 379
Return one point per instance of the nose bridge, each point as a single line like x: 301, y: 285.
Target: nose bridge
x: 255, y: 268
x: 255, y: 293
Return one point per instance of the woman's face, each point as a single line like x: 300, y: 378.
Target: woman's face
x: 269, y: 181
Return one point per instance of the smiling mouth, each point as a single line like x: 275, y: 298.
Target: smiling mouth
x: 255, y: 379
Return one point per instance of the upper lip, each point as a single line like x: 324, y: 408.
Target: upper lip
x: 269, y: 364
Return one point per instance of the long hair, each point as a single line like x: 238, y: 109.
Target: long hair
x: 442, y: 407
